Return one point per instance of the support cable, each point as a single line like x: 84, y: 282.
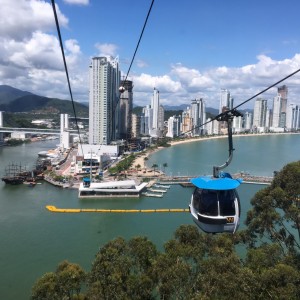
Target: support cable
x: 233, y: 110
x: 66, y: 70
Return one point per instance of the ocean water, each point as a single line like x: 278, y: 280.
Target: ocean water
x: 34, y: 241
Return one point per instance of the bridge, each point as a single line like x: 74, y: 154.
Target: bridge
x: 35, y: 130
x: 64, y: 132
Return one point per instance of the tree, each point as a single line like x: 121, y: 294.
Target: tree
x: 70, y: 279
x: 122, y: 270
x: 65, y: 283
x: 276, y: 211
x: 46, y: 288
x: 154, y: 166
x: 165, y: 165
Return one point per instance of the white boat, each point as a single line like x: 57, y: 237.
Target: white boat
x: 124, y: 188
x: 162, y: 186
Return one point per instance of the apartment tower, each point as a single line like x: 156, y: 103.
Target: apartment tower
x: 104, y: 76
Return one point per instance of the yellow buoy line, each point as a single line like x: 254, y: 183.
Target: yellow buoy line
x: 97, y: 210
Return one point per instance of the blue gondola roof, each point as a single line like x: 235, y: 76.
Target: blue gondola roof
x: 210, y: 183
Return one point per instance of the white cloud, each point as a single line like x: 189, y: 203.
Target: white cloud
x: 19, y: 18
x: 106, y: 49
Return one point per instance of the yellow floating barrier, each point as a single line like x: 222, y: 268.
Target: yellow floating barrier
x: 97, y: 210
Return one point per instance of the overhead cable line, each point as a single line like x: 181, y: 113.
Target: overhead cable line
x: 232, y: 111
x: 141, y: 35
x: 122, y: 88
x: 66, y: 69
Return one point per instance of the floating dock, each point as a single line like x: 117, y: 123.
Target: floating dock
x: 157, y: 190
x: 54, y: 209
x: 153, y: 194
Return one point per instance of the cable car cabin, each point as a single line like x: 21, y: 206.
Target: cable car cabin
x: 215, y: 204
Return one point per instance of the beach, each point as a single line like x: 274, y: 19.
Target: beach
x: 142, y: 158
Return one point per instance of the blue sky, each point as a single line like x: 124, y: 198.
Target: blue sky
x: 190, y: 49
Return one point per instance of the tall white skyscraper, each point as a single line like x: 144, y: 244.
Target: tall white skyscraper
x: 276, y: 111
x: 104, y: 103
x: 155, y: 107
x: 198, y: 115
x: 247, y: 120
x: 225, y: 101
x: 293, y: 117
x: 260, y: 113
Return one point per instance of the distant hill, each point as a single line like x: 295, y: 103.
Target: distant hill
x: 14, y: 100
x: 8, y: 94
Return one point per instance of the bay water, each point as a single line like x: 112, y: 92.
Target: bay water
x: 34, y: 241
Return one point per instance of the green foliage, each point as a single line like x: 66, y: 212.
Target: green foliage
x: 276, y: 211
x: 16, y: 142
x: 65, y: 283
x: 123, y: 270
x: 123, y: 165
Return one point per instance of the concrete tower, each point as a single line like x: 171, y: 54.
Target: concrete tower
x: 104, y: 76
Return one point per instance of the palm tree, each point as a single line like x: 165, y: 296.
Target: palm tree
x: 165, y: 165
x: 154, y: 166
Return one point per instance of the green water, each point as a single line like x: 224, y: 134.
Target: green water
x: 33, y: 240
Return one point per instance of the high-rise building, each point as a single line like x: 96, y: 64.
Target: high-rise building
x: 173, y: 127
x: 225, y: 101
x: 283, y: 92
x: 64, y: 131
x: 198, y: 116
x: 247, y: 120
x: 126, y: 102
x: 104, y: 76
x: 276, y: 114
x: 136, y: 126
x: 260, y: 114
x: 155, y: 107
x: 293, y: 117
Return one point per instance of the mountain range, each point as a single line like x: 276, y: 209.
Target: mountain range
x: 15, y: 100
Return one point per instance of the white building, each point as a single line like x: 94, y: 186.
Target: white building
x: 94, y: 158
x: 237, y: 124
x: 64, y: 132
x: 225, y: 102
x: 155, y: 107
x: 260, y: 114
x: 247, y: 121
x: 276, y: 111
x: 104, y: 76
x: 198, y: 116
x: 173, y: 127
x: 293, y: 117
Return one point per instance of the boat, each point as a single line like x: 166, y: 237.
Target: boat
x: 14, y: 174
x: 162, y: 186
x: 109, y: 189
x: 17, y: 174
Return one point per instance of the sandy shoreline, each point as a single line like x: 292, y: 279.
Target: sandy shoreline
x: 142, y: 162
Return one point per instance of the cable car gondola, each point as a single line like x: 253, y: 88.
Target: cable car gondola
x: 215, y: 205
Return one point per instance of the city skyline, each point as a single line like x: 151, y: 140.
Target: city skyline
x: 192, y: 53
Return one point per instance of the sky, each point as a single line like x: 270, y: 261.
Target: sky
x: 190, y: 49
